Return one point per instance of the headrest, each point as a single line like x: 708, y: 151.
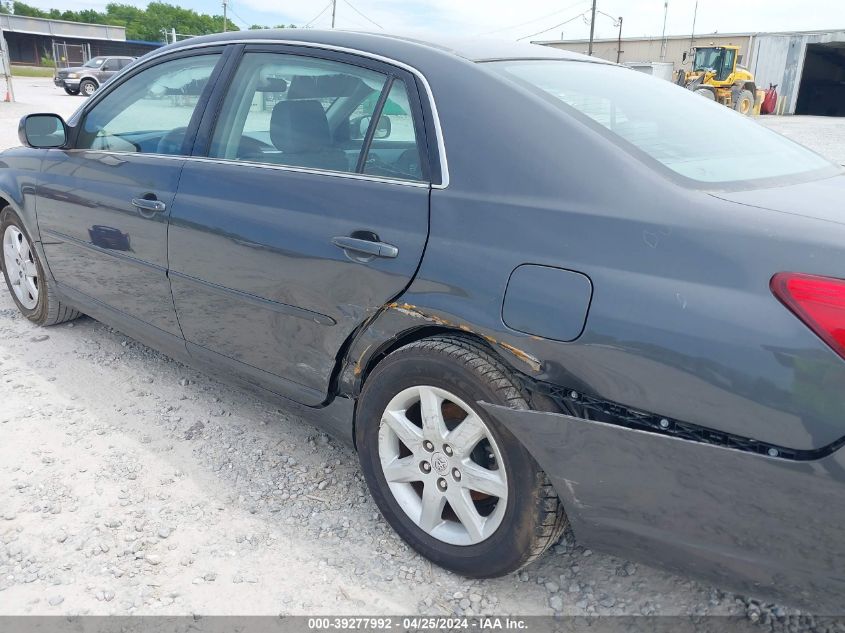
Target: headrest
x: 299, y: 126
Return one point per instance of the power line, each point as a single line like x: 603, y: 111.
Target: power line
x: 542, y: 17
x: 580, y: 15
x: 242, y: 21
x: 607, y: 15
x: 318, y: 16
x: 351, y: 6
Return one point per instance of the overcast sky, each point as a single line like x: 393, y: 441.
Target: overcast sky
x: 519, y: 19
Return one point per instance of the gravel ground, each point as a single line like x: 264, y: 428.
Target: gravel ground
x: 825, y: 135
x: 131, y: 484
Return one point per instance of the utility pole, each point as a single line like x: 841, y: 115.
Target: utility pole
x: 334, y: 11
x: 692, y: 34
x: 7, y: 67
x: 592, y: 28
x: 619, y: 42
x: 225, y: 21
x: 663, y: 34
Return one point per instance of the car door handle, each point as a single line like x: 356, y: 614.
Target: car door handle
x: 367, y: 247
x: 156, y: 206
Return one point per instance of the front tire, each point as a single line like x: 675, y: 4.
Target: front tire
x: 24, y: 275
x: 454, y: 484
x: 745, y: 103
x: 72, y: 91
x: 87, y: 87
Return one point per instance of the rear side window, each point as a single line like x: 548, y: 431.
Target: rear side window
x: 393, y: 151
x: 314, y: 113
x: 150, y: 111
x: 690, y: 135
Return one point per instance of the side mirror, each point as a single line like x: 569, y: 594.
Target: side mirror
x: 360, y: 125
x: 383, y: 127
x: 684, y: 57
x: 43, y: 131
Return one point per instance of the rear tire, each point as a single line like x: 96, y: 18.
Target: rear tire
x: 514, y: 521
x: 31, y: 291
x: 745, y: 103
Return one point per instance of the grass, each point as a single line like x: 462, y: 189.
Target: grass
x: 31, y: 71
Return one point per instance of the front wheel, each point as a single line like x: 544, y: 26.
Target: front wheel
x: 72, y: 91
x: 25, y: 278
x: 745, y: 102
x: 456, y: 485
x: 87, y: 87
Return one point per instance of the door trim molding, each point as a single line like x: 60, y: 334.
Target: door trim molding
x: 260, y: 302
x: 104, y: 251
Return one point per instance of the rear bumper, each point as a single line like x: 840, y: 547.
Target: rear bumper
x: 762, y: 525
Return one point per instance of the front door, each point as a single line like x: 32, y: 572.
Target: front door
x: 107, y: 70
x: 103, y: 206
x: 296, y: 226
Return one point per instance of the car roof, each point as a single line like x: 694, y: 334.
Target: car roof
x: 397, y: 46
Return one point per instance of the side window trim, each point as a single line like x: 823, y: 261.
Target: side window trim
x: 223, y: 52
x: 421, y: 115
x: 371, y: 129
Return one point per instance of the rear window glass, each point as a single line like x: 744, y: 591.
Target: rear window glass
x: 693, y: 136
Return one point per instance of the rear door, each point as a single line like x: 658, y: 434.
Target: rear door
x: 286, y: 233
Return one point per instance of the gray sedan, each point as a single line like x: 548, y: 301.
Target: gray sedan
x: 532, y: 288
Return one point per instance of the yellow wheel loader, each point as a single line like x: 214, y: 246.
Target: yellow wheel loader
x: 715, y: 75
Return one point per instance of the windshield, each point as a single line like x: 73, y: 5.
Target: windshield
x: 94, y: 62
x: 694, y: 137
x: 708, y: 58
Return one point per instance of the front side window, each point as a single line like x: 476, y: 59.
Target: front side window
x: 94, y: 62
x: 312, y: 113
x: 150, y: 111
x: 707, y: 143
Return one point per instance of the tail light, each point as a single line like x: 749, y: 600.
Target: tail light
x: 818, y: 301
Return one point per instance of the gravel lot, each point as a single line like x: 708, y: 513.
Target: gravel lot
x: 132, y: 484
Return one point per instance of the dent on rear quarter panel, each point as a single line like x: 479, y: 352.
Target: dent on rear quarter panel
x: 762, y: 524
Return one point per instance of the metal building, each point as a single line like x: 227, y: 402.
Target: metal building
x: 651, y: 49
x: 808, y: 67
x: 32, y: 41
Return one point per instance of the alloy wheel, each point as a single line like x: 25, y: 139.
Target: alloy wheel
x: 19, y: 262
x: 443, y: 466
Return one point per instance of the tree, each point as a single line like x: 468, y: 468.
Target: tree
x: 141, y: 24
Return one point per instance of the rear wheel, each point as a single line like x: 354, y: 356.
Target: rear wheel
x: 72, y: 91
x: 455, y: 484
x: 745, y: 102
x: 87, y: 87
x: 25, y: 278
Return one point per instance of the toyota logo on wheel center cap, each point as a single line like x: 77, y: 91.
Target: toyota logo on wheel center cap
x: 440, y: 463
